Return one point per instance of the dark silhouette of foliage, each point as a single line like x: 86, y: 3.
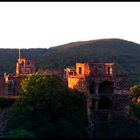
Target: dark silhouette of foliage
x: 135, y: 109
x: 20, y: 133
x: 48, y: 109
x: 6, y: 102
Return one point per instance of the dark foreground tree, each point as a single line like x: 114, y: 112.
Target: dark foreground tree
x: 47, y: 109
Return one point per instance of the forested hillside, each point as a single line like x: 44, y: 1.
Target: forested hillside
x: 124, y: 53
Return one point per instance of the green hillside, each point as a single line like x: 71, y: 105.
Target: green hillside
x: 124, y: 53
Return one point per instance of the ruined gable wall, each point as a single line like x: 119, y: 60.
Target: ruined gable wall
x: 85, y: 68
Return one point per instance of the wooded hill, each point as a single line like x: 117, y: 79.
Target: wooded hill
x: 124, y: 53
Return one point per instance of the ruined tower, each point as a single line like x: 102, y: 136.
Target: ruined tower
x: 12, y: 82
x: 105, y: 92
x: 24, y: 66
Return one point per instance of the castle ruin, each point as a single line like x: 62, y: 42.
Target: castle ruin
x: 105, y: 91
x: 10, y: 84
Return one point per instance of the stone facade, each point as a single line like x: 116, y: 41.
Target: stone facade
x: 104, y: 90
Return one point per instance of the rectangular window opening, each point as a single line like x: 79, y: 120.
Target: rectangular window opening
x: 80, y: 70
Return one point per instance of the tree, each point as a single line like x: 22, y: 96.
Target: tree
x: 48, y: 109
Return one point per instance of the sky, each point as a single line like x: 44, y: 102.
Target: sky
x: 49, y: 24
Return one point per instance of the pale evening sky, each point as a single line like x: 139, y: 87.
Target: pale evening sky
x: 48, y: 24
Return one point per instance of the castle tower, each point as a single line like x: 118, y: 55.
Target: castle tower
x: 24, y: 66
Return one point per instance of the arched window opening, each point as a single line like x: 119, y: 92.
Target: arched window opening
x: 10, y: 87
x: 80, y: 70
x: 106, y: 87
x: 99, y: 71
x: 93, y: 104
x: 65, y: 73
x: 92, y: 88
x: 109, y: 71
